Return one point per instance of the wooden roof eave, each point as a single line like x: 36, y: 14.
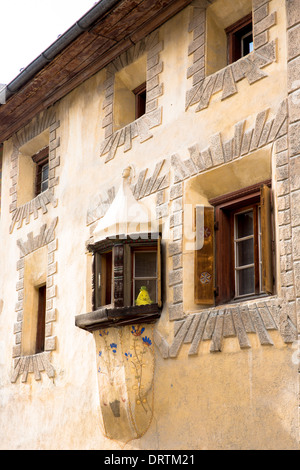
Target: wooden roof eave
x: 64, y: 72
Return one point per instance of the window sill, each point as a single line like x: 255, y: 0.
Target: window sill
x: 107, y: 317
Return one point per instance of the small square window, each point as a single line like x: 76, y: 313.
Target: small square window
x: 41, y: 159
x: 240, y: 39
x: 229, y: 34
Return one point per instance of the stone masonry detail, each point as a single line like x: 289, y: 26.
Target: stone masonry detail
x: 291, y: 245
x: 23, y: 365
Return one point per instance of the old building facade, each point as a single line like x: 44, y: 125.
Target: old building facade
x: 150, y: 231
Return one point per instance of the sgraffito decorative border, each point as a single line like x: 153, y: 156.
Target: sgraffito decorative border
x: 45, y: 120
x: 250, y: 67
x: 238, y: 321
x: 153, y: 117
x: 38, y: 362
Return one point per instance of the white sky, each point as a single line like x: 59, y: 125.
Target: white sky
x: 28, y: 27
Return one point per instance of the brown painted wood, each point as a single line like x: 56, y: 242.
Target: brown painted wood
x: 204, y: 262
x: 266, y: 229
x: 114, y: 317
x: 140, y: 100
x: 225, y: 207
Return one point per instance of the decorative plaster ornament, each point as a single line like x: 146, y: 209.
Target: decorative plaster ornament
x: 125, y: 366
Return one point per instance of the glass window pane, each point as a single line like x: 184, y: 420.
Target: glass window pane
x: 244, y: 252
x: 45, y: 172
x: 44, y: 186
x: 244, y: 224
x: 245, y: 281
x: 145, y: 264
x: 44, y: 177
x: 145, y: 292
x: 247, y: 44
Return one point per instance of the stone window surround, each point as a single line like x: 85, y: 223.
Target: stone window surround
x: 271, y: 313
x: 36, y: 363
x: 250, y: 67
x: 152, y: 45
x: 44, y: 120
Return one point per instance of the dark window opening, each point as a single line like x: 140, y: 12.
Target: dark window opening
x: 40, y: 331
x: 140, y: 100
x: 240, y: 39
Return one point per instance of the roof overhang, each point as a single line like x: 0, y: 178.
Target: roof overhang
x: 107, y: 30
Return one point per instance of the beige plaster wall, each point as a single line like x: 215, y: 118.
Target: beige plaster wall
x: 237, y: 399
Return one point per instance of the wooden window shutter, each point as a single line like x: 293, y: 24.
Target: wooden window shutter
x: 266, y: 239
x: 204, y: 260
x: 159, y: 301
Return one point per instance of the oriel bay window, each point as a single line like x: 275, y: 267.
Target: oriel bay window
x: 126, y: 282
x: 237, y: 256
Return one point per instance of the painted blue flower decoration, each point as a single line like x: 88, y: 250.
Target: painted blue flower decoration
x: 103, y: 332
x: 100, y: 353
x: 114, y: 347
x: 147, y: 341
x: 137, y: 331
x: 128, y: 355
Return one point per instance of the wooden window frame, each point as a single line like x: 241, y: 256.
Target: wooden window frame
x: 103, y: 270
x: 140, y: 100
x: 121, y: 311
x: 234, y: 34
x: 255, y: 209
x: 224, y: 208
x: 40, y: 159
x: 135, y: 250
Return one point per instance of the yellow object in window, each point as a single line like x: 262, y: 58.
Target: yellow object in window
x: 143, y: 298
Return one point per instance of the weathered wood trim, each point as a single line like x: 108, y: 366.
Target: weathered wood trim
x: 115, y: 317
